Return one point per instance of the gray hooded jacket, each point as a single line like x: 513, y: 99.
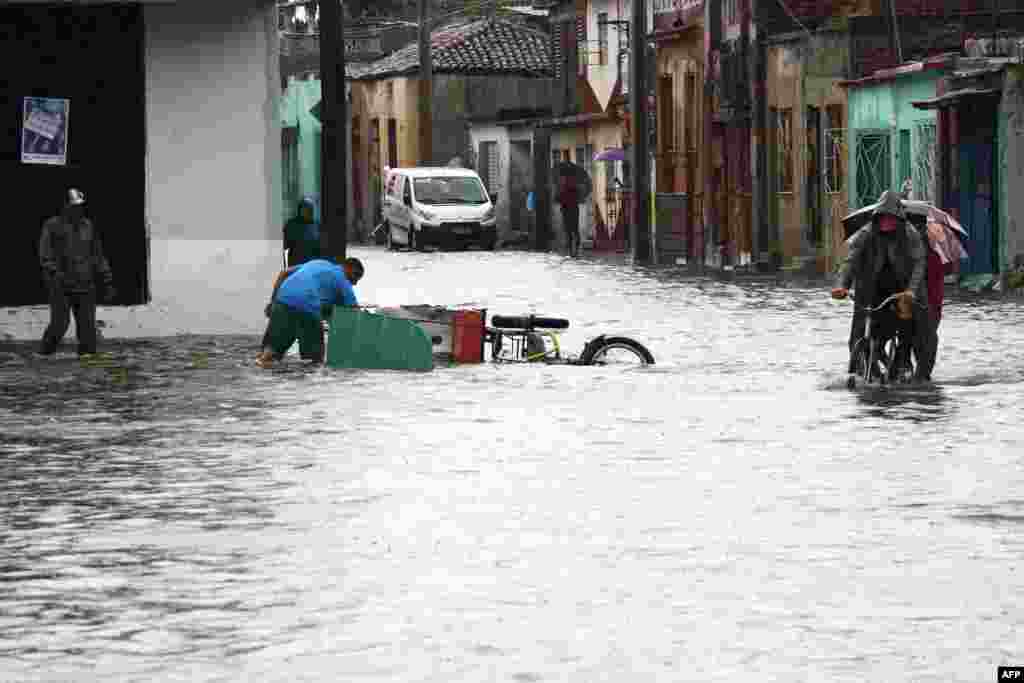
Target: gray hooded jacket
x: 71, y: 255
x: 869, y: 251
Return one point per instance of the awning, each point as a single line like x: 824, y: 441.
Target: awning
x: 952, y: 98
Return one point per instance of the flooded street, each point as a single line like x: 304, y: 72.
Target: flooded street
x: 172, y: 512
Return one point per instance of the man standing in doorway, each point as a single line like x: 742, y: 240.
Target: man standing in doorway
x: 71, y: 257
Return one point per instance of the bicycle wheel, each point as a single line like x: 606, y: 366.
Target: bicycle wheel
x: 621, y: 351
x: 859, y: 364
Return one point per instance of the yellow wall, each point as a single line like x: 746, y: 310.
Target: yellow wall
x: 790, y: 86
x: 785, y: 91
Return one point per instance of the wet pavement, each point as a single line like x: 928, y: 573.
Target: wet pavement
x: 171, y: 512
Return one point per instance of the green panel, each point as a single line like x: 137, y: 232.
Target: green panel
x: 358, y: 339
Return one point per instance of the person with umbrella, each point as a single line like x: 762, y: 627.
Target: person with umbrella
x: 886, y: 257
x: 942, y: 237
x: 573, y: 188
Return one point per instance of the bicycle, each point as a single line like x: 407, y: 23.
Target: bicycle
x: 877, y: 356
x: 535, y: 339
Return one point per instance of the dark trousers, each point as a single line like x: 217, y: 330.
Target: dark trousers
x: 926, y: 342
x: 571, y: 225
x: 62, y: 304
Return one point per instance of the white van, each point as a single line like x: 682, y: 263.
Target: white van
x: 437, y: 206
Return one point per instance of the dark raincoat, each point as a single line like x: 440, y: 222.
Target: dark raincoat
x: 71, y: 255
x: 869, y: 251
x: 302, y: 239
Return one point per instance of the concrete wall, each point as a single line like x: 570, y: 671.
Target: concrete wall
x: 213, y: 161
x: 499, y: 135
x: 1011, y: 169
x: 508, y: 226
x: 602, y: 78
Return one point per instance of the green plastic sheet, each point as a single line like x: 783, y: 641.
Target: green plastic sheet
x: 360, y: 339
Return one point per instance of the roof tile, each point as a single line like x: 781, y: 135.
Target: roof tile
x: 489, y: 46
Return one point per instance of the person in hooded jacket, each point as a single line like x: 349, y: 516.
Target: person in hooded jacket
x: 301, y: 243
x: 72, y: 259
x: 302, y: 234
x: 886, y: 257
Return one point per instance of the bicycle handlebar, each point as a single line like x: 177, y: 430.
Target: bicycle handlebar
x: 888, y: 300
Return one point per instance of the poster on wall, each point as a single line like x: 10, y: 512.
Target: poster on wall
x: 44, y: 131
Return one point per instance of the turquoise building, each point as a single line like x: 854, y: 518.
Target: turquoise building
x: 300, y: 144
x: 892, y: 145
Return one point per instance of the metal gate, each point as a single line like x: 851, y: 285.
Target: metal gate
x: 874, y: 166
x: 924, y: 161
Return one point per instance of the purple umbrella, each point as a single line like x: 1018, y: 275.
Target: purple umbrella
x: 612, y: 154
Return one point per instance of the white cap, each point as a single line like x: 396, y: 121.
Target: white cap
x: 75, y: 197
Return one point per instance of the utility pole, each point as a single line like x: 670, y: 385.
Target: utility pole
x: 334, y: 132
x: 426, y: 103
x: 641, y: 158
x: 894, y: 34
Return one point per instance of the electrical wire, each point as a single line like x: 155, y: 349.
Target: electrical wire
x: 792, y: 16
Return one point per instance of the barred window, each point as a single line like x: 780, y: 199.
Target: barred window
x: 834, y: 149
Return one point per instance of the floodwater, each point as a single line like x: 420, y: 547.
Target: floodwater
x: 171, y: 512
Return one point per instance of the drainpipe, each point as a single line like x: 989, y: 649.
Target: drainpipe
x: 712, y: 36
x: 894, y: 32
x: 334, y: 140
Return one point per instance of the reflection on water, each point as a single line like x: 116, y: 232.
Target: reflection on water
x: 169, y: 511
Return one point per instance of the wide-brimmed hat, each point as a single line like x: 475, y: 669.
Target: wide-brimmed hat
x: 75, y: 197
x: 890, y: 203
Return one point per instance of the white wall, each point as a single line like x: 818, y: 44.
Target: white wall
x: 493, y: 133
x: 1011, y: 168
x: 213, y: 161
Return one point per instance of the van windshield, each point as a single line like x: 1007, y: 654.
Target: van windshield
x: 449, y: 190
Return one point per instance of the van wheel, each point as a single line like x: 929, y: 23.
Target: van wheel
x: 388, y: 240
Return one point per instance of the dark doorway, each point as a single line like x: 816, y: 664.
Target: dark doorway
x: 520, y: 183
x: 92, y: 56
x: 978, y: 182
x: 393, y: 143
x: 813, y: 215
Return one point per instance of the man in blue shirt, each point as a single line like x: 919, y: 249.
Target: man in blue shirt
x: 303, y: 297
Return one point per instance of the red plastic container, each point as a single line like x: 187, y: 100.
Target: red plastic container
x: 468, y: 336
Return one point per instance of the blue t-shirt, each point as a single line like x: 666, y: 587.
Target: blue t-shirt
x: 316, y: 284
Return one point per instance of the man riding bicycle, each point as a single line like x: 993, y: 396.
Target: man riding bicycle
x: 886, y: 257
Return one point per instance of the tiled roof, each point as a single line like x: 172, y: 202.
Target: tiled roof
x: 483, y: 47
